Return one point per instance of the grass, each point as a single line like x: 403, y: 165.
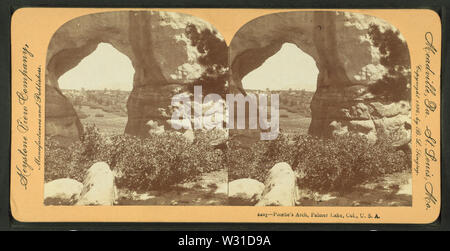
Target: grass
x: 293, y: 123
x: 108, y: 123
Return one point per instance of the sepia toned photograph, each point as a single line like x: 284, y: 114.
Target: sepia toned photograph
x: 344, y: 90
x: 300, y: 108
x: 110, y: 140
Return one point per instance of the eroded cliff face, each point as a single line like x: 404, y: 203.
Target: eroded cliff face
x: 348, y: 59
x: 161, y: 54
x: 349, y: 63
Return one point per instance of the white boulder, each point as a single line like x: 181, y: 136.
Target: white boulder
x: 98, y: 186
x: 242, y: 190
x: 63, y: 189
x: 154, y: 128
x: 189, y: 136
x: 280, y: 187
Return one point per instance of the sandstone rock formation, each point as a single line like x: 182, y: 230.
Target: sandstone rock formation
x: 280, y: 187
x: 354, y: 68
x: 189, y: 136
x: 65, y: 189
x: 242, y: 191
x: 155, y: 128
x: 156, y: 43
x: 98, y: 186
x: 350, y: 62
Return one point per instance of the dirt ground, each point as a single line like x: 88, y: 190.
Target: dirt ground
x: 199, y: 192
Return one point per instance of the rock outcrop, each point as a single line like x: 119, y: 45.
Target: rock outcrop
x: 280, y: 187
x: 155, y: 128
x: 65, y: 190
x: 98, y: 186
x: 242, y: 191
x: 349, y: 60
x: 189, y: 136
x: 159, y: 49
x: 350, y: 63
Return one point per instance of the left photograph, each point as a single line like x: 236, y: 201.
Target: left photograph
x: 114, y: 133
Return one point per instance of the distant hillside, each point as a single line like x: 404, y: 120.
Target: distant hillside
x: 112, y: 101
x: 295, y: 101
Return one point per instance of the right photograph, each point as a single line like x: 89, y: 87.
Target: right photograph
x: 336, y: 88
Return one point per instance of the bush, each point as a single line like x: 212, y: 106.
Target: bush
x: 341, y: 163
x: 155, y: 162
x: 160, y: 161
x: 62, y: 161
x: 255, y: 161
x: 336, y: 164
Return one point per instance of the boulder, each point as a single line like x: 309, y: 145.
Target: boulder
x: 280, y: 187
x: 357, y: 112
x: 98, y: 186
x: 189, y: 136
x: 391, y: 109
x: 242, y: 191
x: 405, y: 188
x: 65, y: 190
x: 155, y: 128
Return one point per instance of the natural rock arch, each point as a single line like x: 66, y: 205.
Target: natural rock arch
x: 152, y: 40
x: 348, y: 64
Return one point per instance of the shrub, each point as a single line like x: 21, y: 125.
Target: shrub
x: 62, y: 161
x: 336, y: 164
x: 243, y: 162
x: 159, y: 161
x: 154, y: 162
x: 255, y: 161
x: 341, y: 163
x: 72, y: 161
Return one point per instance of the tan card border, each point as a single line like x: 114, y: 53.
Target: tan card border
x: 35, y: 26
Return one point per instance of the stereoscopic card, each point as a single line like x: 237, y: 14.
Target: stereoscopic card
x: 225, y: 115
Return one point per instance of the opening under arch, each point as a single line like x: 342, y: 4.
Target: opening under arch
x: 99, y: 87
x: 293, y: 75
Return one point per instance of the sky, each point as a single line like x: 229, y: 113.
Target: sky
x: 290, y: 67
x: 106, y: 67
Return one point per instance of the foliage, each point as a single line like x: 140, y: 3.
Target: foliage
x: 395, y: 85
x: 255, y: 161
x: 336, y: 164
x: 72, y: 161
x: 110, y: 101
x: 159, y: 161
x: 343, y: 162
x: 296, y: 101
x: 154, y: 162
x: 214, y: 58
